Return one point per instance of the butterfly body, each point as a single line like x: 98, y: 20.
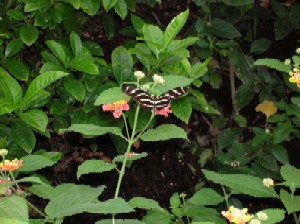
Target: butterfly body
x: 151, y: 102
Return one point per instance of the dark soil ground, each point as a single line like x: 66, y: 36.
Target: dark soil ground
x: 170, y: 166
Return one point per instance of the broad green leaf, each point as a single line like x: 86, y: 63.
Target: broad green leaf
x: 122, y: 64
x: 138, y: 24
x: 171, y: 82
x: 111, y: 206
x: 36, y: 119
x: 6, y: 106
x: 144, y: 203
x: 70, y: 199
x: 59, y: 51
x: 206, y: 196
x: 91, y: 7
x: 39, y: 83
x: 92, y: 130
x: 108, y: 4
x: 35, y: 162
x: 244, y: 95
x: 268, y: 162
x: 291, y: 202
x: 154, y: 38
x: 199, y: 69
x: 281, y: 132
x: 280, y: 153
x: 164, y: 132
x: 59, y: 108
x: 40, y: 96
x: 16, y: 68
x: 75, y: 43
x: 120, y: 221
x: 33, y: 5
x: 242, y: 183
x: 260, y: 46
x: 261, y: 136
x: 143, y: 53
x: 28, y: 34
x: 86, y: 66
x: 94, y: 166
x: 182, y: 108
x: 23, y: 135
x: 275, y: 215
x: 273, y: 63
x: 291, y: 175
x: 16, y: 14
x: 13, y: 47
x: 121, y: 8
x: 227, y: 137
x: 32, y: 179
x: 174, y: 27
x: 109, y: 25
x: 224, y: 29
x: 93, y: 47
x: 10, y: 88
x: 153, y: 215
x: 238, y: 2
x: 110, y: 96
x: 184, y: 43
x: 200, y: 103
x: 75, y: 88
x: 14, y: 208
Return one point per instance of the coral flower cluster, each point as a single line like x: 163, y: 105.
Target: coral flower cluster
x: 116, y: 107
x: 237, y: 216
x: 10, y: 165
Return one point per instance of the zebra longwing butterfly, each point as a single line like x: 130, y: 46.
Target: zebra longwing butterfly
x: 151, y: 102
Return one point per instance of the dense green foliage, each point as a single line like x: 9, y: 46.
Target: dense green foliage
x: 54, y: 80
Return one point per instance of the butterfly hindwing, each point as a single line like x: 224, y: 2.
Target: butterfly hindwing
x: 153, y: 102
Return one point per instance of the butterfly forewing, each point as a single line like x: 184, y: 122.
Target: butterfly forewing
x: 153, y: 102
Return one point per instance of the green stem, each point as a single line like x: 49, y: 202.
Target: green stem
x: 126, y: 126
x: 130, y: 142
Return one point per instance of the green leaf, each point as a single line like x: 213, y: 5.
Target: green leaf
x: 23, y: 135
x: 6, y: 106
x: 144, y: 203
x: 35, y: 162
x: 91, y: 7
x: 110, y: 96
x: 16, y: 14
x: 182, y: 108
x: 261, y: 136
x: 86, y: 66
x: 291, y: 202
x: 70, y: 199
x: 280, y: 153
x: 75, y: 88
x: 33, y: 5
x: 238, y: 2
x: 121, y: 8
x: 244, y: 95
x: 200, y: 103
x: 122, y: 64
x: 164, y: 132
x: 274, y: 215
x: 28, y: 34
x: 108, y: 4
x: 16, y: 68
x: 171, y: 82
x: 138, y: 24
x: 59, y: 51
x: 260, y: 46
x: 36, y: 119
x: 39, y: 83
x: 224, y: 29
x: 10, y: 88
x: 174, y: 27
x: 92, y: 130
x: 120, y: 221
x: 268, y: 162
x: 227, y: 137
x: 13, y: 208
x: 109, y: 25
x: 281, y: 132
x: 273, y: 63
x: 242, y: 183
x: 75, y: 43
x: 111, y: 206
x: 291, y: 175
x: 94, y: 166
x: 206, y: 196
x: 13, y: 47
x: 154, y: 38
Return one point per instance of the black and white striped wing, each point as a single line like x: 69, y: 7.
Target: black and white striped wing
x: 153, y: 102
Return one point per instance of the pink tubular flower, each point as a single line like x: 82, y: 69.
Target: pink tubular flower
x: 116, y: 107
x: 237, y: 216
x: 165, y: 111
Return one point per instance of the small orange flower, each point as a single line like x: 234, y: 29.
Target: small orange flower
x: 295, y: 76
x: 11, y: 165
x: 165, y: 111
x: 116, y: 107
x: 266, y: 107
x: 237, y: 215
